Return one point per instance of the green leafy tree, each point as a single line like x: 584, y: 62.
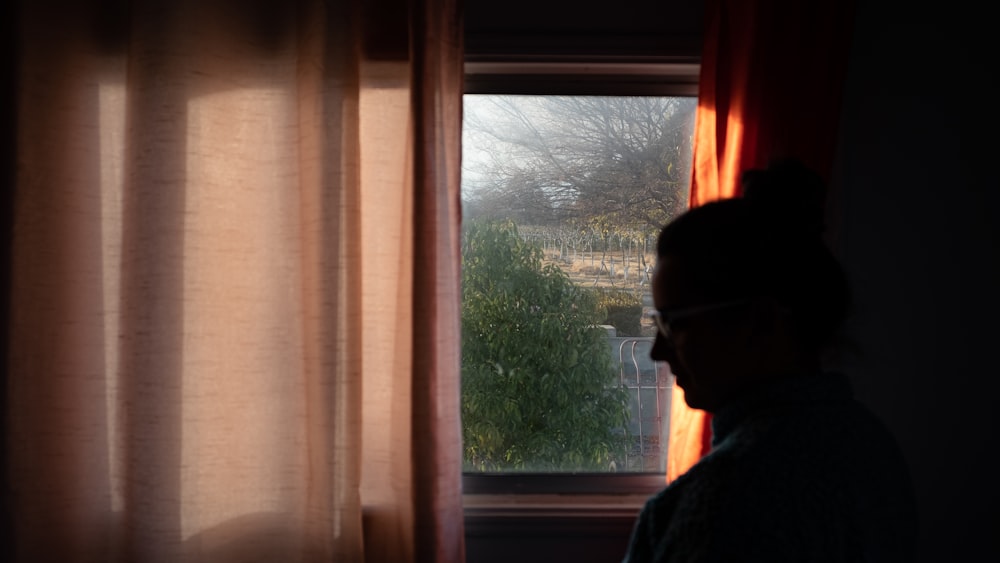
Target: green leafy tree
x: 539, y: 392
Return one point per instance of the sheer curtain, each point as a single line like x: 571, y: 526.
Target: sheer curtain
x: 234, y: 282
x: 772, y: 74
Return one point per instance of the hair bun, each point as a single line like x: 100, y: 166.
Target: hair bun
x: 787, y: 192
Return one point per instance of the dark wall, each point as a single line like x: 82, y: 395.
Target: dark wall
x: 597, y: 536
x: 8, y: 144
x: 554, y: 28
x: 918, y: 234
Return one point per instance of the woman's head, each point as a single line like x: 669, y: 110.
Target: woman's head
x: 750, y: 285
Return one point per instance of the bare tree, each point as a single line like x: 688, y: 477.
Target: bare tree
x: 615, y: 164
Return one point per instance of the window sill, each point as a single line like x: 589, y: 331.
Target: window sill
x: 582, y: 484
x: 555, y: 505
x: 531, y: 528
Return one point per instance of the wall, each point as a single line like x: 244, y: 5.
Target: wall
x: 568, y: 28
x: 918, y: 234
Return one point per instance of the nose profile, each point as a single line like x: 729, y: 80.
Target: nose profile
x: 661, y: 351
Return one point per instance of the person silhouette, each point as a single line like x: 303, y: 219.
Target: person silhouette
x: 747, y: 299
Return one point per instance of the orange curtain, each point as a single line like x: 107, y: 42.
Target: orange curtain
x: 771, y: 82
x: 233, y: 327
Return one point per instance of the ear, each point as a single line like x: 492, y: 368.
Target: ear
x: 769, y: 326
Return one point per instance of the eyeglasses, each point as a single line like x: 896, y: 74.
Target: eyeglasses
x: 663, y: 318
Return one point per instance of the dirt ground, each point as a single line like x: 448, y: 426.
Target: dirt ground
x: 586, y: 270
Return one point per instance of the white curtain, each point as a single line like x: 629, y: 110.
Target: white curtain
x: 234, y: 316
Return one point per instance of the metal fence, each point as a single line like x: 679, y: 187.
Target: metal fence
x: 649, y: 385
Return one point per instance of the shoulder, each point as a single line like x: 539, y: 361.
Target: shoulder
x: 788, y: 484
x: 835, y: 472
x: 682, y: 519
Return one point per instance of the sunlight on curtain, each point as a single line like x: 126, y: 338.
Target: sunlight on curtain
x: 689, y: 438
x: 213, y: 289
x: 386, y: 227
x: 241, y: 384
x: 717, y: 153
x: 111, y: 129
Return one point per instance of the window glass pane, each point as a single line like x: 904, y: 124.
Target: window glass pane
x: 563, y: 197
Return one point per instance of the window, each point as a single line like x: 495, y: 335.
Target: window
x: 567, y: 177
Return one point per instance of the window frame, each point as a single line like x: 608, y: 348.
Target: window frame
x: 578, y: 76
x: 675, y: 76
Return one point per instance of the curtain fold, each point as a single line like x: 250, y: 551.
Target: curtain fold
x: 438, y: 65
x: 772, y: 74
x: 234, y: 283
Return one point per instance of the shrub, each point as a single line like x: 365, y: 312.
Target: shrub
x: 539, y: 392
x: 622, y: 310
